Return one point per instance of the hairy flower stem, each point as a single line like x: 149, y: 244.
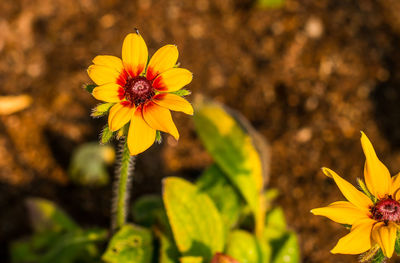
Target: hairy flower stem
x: 122, y: 185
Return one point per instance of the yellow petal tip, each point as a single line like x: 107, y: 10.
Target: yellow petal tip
x: 327, y: 172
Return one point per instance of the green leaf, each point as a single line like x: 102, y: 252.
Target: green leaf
x: 106, y: 135
x: 73, y: 245
x: 270, y: 3
x: 146, y: 209
x: 101, y: 109
x: 45, y: 215
x: 275, y: 224
x: 89, y: 87
x: 130, y: 244
x: 286, y: 249
x: 191, y: 259
x: 235, y: 153
x: 50, y: 247
x: 168, y: 251
x: 244, y: 247
x: 227, y: 199
x: 195, y: 221
x: 182, y: 92
x: 89, y: 164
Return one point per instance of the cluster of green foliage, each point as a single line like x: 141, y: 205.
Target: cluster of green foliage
x: 225, y: 211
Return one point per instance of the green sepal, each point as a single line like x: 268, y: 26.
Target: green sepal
x: 182, y: 92
x: 158, y: 137
x: 378, y: 257
x: 364, y: 188
x: 89, y: 87
x: 106, y: 135
x: 397, y: 243
x: 101, y: 109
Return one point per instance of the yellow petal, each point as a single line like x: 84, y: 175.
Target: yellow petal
x: 134, y: 54
x: 395, y: 184
x: 173, y: 79
x: 173, y: 102
x: 357, y: 241
x: 164, y: 58
x: 119, y: 115
x: 141, y: 136
x: 377, y: 176
x: 109, y: 61
x: 102, y: 74
x: 159, y: 118
x: 341, y: 212
x: 111, y: 92
x: 356, y: 197
x: 385, y: 236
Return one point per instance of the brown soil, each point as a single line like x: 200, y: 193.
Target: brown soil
x: 309, y: 76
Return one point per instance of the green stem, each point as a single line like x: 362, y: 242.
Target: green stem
x: 122, y: 187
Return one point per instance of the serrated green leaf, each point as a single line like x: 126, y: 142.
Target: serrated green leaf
x: 235, y: 153
x: 227, y: 199
x: 101, y: 109
x: 45, y: 215
x: 89, y: 87
x: 285, y: 249
x: 244, y: 247
x: 182, y: 92
x: 89, y: 162
x: 194, y: 219
x: 130, y: 244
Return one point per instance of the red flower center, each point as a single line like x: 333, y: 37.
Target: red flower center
x: 386, y: 209
x: 138, y: 90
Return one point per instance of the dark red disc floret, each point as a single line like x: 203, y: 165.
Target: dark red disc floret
x: 386, y: 209
x: 138, y: 90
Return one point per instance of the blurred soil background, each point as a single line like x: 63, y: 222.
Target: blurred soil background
x: 309, y: 76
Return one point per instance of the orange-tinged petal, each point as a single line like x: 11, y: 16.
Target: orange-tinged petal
x: 377, y: 176
x: 134, y: 54
x: 164, y: 58
x: 109, y: 61
x: 173, y: 79
x: 358, y: 240
x: 385, y: 236
x: 102, y: 74
x: 119, y: 115
x: 173, y: 102
x: 111, y: 92
x: 140, y: 136
x: 356, y: 197
x: 341, y: 212
x: 159, y: 118
x: 395, y: 184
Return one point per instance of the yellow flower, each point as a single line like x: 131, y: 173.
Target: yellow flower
x: 142, y: 90
x: 374, y: 220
